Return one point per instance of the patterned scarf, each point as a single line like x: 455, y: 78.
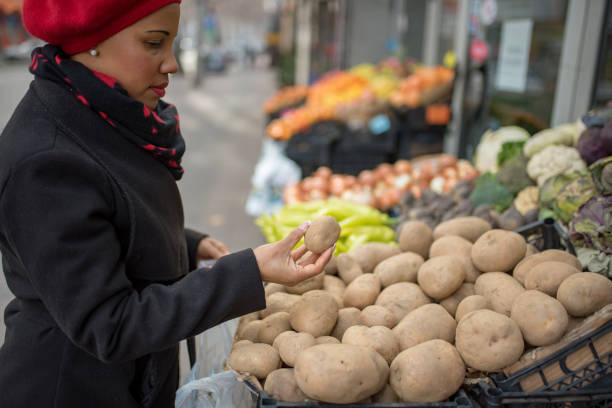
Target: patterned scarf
x: 156, y: 131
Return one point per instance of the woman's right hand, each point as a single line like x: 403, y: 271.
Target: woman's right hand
x: 278, y: 263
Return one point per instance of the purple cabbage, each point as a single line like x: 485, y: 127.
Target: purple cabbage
x: 591, y: 146
x: 591, y: 225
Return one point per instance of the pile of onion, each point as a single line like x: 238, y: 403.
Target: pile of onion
x: 383, y: 186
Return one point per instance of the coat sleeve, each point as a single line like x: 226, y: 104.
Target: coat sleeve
x: 56, y: 212
x: 193, y: 239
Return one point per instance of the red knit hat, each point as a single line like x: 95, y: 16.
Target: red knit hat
x: 78, y: 25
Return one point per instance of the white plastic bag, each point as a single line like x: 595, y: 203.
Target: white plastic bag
x: 273, y: 172
x: 218, y: 391
x: 209, y: 384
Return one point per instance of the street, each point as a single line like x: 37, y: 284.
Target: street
x: 223, y: 126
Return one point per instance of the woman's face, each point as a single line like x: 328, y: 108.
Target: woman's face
x: 140, y: 56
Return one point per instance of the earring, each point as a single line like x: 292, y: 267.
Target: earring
x: 93, y: 52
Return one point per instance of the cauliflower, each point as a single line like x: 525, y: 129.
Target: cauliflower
x: 553, y: 160
x: 527, y: 200
x: 566, y: 134
x: 491, y: 144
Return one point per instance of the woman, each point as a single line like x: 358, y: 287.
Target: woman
x: 92, y: 235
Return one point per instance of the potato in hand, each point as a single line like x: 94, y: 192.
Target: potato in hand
x: 322, y: 234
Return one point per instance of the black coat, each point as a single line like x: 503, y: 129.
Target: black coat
x: 95, y: 252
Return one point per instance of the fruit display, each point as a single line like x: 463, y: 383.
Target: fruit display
x: 425, y: 86
x: 353, y: 96
x: 410, y: 320
x: 285, y: 98
x: 384, y: 186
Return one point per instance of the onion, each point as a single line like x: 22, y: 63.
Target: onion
x: 308, y: 184
x: 447, y: 160
x: 317, y: 194
x: 402, y: 167
x: 367, y: 178
x: 390, y: 179
x: 319, y: 183
x: 337, y: 185
x: 350, y: 181
x: 324, y: 172
x: 449, y: 172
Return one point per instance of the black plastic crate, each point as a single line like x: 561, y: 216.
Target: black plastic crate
x: 546, y: 234
x: 597, y: 372
x: 312, y: 147
x: 588, y: 385
x: 459, y: 400
x: 493, y: 397
x: 363, y: 150
x: 418, y: 143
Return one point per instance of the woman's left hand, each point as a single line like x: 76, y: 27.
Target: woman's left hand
x: 210, y: 248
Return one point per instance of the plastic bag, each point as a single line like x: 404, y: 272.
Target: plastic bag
x: 273, y: 172
x: 217, y: 391
x: 210, y: 384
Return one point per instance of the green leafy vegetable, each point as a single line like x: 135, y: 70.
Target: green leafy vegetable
x: 488, y: 190
x: 509, y: 150
x: 591, y: 226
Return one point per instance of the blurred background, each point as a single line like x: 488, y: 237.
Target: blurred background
x: 351, y: 84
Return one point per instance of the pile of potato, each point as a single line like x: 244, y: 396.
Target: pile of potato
x: 389, y: 323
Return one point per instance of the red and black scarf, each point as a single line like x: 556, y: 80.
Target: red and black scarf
x: 156, y: 131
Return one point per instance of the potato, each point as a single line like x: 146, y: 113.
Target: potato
x: 470, y: 304
x: 272, y: 287
x: 258, y: 359
x: 399, y: 268
x: 470, y: 228
x: 401, y: 298
x: 340, y: 373
x: 278, y: 302
x: 327, y: 340
x: 500, y: 290
x: 375, y: 315
x: 334, y: 285
x: 547, y: 276
x: 520, y: 271
x: 281, y: 385
x: 273, y: 325
x: 378, y: 338
x: 488, y: 341
x: 541, y: 318
x: 241, y: 343
x: 315, y: 313
x: 415, y: 236
x: 425, y: 323
x: 385, y: 396
x: 322, y: 234
x: 429, y: 372
x: 441, y: 277
x: 584, y: 293
x: 498, y: 250
x: 250, y: 331
x: 280, y: 337
x: 348, y: 268
x: 450, y: 245
x: 292, y: 345
x: 471, y: 273
x: 452, y: 302
x: 370, y: 254
x: 331, y: 268
x: 362, y: 292
x: 316, y: 282
x: 347, y: 317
